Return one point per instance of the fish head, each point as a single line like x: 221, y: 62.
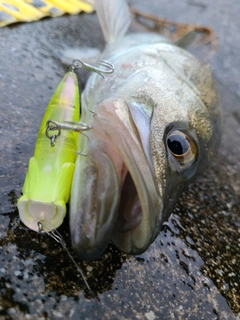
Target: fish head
x: 113, y: 187
x: 185, y: 129
x: 141, y: 153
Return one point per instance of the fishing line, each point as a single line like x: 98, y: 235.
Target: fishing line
x: 53, y: 233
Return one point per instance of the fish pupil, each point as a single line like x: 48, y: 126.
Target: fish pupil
x: 178, y: 144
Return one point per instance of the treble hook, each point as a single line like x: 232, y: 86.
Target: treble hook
x: 79, y: 64
x: 52, y: 125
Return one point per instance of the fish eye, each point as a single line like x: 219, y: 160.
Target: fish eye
x: 182, y: 148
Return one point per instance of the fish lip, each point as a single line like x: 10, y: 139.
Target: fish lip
x: 113, y: 124
x: 94, y: 197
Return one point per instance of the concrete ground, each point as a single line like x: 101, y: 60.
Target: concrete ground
x: 192, y: 269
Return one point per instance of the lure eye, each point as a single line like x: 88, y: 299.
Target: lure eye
x: 182, y: 148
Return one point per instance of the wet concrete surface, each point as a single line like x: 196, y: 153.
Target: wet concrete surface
x: 192, y: 269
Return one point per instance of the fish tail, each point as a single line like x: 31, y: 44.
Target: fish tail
x: 114, y: 18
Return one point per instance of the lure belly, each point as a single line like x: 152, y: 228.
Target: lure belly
x: 47, y: 185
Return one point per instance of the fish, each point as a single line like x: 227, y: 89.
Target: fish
x: 47, y: 185
x: 155, y: 125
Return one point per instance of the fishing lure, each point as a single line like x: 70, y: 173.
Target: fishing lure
x: 48, y: 181
x: 47, y: 185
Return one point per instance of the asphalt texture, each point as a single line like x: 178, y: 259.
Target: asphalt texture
x: 192, y: 269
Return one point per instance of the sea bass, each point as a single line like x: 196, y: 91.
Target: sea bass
x: 155, y: 124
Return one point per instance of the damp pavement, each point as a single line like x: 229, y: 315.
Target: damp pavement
x: 192, y: 269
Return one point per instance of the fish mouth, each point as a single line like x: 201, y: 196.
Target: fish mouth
x: 127, y: 133
x: 121, y: 134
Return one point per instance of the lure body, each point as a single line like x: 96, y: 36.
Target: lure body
x: 155, y: 125
x: 47, y: 185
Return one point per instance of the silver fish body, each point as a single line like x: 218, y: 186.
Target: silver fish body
x: 155, y: 125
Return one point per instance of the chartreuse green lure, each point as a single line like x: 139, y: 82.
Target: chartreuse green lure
x: 47, y: 185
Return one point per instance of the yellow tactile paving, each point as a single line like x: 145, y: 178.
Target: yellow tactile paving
x: 30, y: 10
